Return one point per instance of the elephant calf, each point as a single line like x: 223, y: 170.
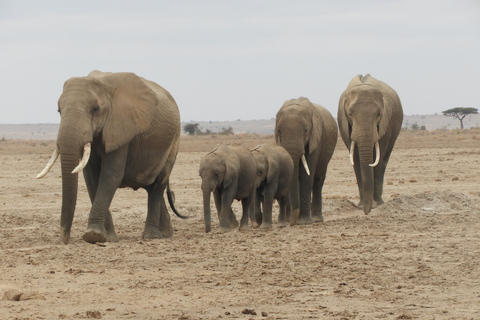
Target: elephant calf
x: 274, y: 175
x: 229, y: 172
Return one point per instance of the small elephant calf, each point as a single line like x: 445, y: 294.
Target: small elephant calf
x: 229, y: 172
x: 274, y: 176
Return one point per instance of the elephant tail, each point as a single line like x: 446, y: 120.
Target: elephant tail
x: 171, y: 201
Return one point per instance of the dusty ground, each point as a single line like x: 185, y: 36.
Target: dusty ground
x: 415, y: 257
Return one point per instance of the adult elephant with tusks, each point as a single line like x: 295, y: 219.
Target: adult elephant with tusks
x: 370, y: 117
x: 309, y: 134
x: 126, y: 131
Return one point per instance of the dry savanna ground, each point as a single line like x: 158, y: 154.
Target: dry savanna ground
x: 415, y: 257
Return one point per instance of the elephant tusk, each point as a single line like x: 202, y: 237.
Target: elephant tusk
x: 305, y: 164
x: 352, y: 147
x: 86, y: 155
x: 50, y: 163
x: 377, y: 155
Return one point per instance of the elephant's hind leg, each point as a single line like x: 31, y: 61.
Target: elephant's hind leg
x: 157, y: 224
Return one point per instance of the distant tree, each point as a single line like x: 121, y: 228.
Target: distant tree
x: 226, y: 131
x: 191, y: 128
x: 415, y: 126
x: 460, y: 113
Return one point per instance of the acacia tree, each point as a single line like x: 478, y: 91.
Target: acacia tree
x: 191, y: 128
x: 460, y: 113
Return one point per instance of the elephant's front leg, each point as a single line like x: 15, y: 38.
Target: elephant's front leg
x: 91, y: 173
x: 111, y: 175
x: 226, y: 213
x: 267, y: 207
x: 378, y: 174
x: 246, y: 205
x: 257, y: 208
x: 317, y: 215
x: 305, y: 186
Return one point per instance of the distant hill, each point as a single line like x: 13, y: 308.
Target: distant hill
x: 48, y: 131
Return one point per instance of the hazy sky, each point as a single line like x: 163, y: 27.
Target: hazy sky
x: 229, y: 60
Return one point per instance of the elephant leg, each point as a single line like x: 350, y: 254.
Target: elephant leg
x: 378, y: 174
x: 305, y: 186
x: 317, y: 215
x: 246, y: 203
x: 282, y: 215
x: 91, y: 174
x: 267, y: 207
x: 257, y: 207
x: 233, y: 220
x: 111, y: 175
x: 218, y: 202
x: 157, y: 224
x: 226, y: 214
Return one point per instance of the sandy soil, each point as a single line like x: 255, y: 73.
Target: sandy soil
x: 415, y: 257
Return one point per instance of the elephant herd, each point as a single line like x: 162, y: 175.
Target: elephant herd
x: 123, y: 131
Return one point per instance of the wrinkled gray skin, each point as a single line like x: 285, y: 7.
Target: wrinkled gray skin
x: 229, y: 172
x: 304, y: 128
x: 369, y: 111
x: 274, y: 175
x: 134, y: 127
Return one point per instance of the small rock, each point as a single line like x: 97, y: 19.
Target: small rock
x: 31, y: 296
x: 94, y: 314
x: 12, y: 295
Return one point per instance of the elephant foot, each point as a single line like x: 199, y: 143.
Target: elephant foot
x: 233, y: 224
x: 282, y: 224
x: 224, y: 229
x: 304, y: 220
x: 65, y: 236
x: 266, y: 226
x: 294, y: 217
x: 155, y: 233
x: 316, y: 219
x: 244, y: 227
x: 93, y: 236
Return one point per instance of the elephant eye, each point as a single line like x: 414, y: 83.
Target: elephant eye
x: 95, y: 108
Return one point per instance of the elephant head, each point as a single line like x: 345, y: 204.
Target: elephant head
x: 218, y: 170
x: 110, y: 108
x: 364, y: 116
x: 267, y: 163
x: 298, y: 130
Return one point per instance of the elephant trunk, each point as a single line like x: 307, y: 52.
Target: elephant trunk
x: 296, y: 151
x: 295, y: 193
x: 365, y: 151
x: 206, y: 211
x: 70, y: 145
x: 69, y: 160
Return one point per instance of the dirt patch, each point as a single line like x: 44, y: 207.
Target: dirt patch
x: 414, y: 257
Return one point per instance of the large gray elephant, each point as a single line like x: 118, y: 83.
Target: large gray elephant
x: 229, y: 172
x: 126, y: 130
x: 274, y: 176
x: 370, y: 117
x: 309, y: 133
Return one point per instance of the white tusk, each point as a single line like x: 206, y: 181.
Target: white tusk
x: 377, y: 155
x: 305, y: 164
x: 352, y: 147
x: 86, y: 155
x: 50, y: 163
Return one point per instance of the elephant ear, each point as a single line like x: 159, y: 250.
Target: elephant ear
x: 273, y: 165
x: 342, y: 120
x: 316, y: 128
x: 232, y: 169
x: 387, y: 111
x: 133, y: 107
